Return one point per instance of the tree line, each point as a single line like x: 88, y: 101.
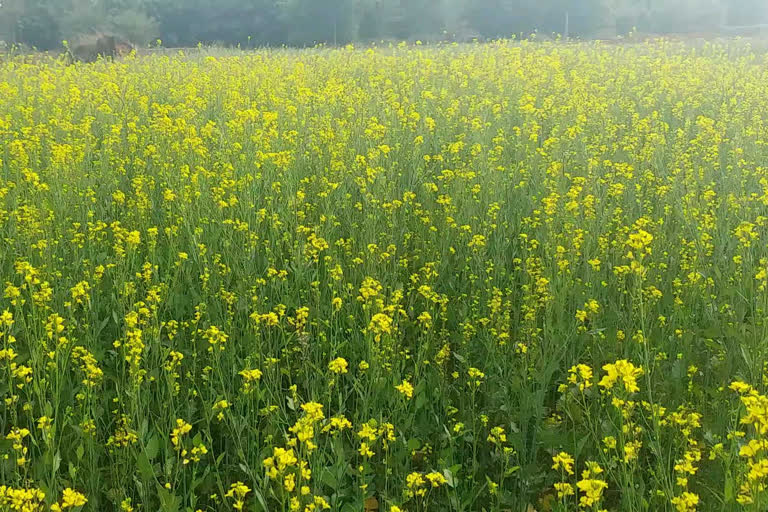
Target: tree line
x: 43, y: 24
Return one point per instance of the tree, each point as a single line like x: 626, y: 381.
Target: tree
x: 79, y: 17
x: 320, y: 21
x: 231, y: 22
x: 495, y: 18
x: 135, y: 25
x: 37, y: 26
x: 582, y: 17
x: 406, y: 19
x: 10, y: 13
x: 43, y: 23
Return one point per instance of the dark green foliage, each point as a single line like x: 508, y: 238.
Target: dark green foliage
x: 252, y: 23
x: 307, y: 22
x: 37, y: 27
x: 229, y: 22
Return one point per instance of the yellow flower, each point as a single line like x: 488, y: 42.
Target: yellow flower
x: 182, y: 428
x: 289, y: 482
x: 631, y: 450
x: 436, y: 479
x: 581, y: 376
x: 71, y: 498
x: 365, y: 450
x: 686, y: 502
x: 591, y: 488
x: 6, y: 319
x: 563, y: 489
x: 380, y: 324
x: 740, y: 387
x: 23, y: 499
x: 238, y: 491
x: 338, y: 365
x: 563, y: 461
x: 320, y: 503
x: 133, y: 239
x: 367, y: 432
x: 336, y: 424
x: 80, y: 292
x: 474, y: 373
x: 414, y: 480
x: 425, y: 319
x: 220, y: 406
x: 250, y: 379
x: 497, y: 436
x: 44, y: 423
x: 640, y: 239
x: 624, y: 371
x: 405, y: 389
x: 758, y: 470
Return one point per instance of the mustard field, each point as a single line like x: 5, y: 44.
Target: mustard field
x: 514, y: 276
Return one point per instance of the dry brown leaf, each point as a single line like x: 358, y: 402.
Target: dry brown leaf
x: 371, y: 504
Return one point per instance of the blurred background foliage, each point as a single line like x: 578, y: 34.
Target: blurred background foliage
x: 43, y: 24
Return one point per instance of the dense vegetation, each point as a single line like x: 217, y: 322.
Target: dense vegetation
x: 419, y: 278
x: 44, y: 23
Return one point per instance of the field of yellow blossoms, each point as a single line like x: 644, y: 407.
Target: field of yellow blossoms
x: 502, y: 277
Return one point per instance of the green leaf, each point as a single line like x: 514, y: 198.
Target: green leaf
x: 56, y: 462
x: 421, y: 400
x: 152, y: 448
x: 145, y: 467
x: 338, y: 448
x: 328, y: 478
x: 450, y: 478
x: 102, y: 325
x: 729, y: 494
x: 169, y: 502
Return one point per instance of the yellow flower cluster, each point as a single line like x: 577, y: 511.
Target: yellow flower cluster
x: 404, y: 277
